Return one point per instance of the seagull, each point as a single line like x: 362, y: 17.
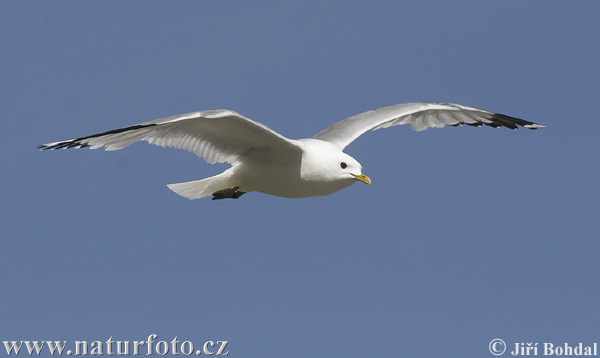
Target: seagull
x: 264, y: 161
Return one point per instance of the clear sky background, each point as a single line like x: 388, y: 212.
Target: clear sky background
x: 466, y: 235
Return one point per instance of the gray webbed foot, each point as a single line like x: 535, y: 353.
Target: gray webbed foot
x: 229, y: 193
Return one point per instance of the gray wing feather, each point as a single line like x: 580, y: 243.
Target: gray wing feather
x: 420, y: 116
x: 217, y: 136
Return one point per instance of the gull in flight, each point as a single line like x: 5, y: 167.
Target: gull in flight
x: 265, y: 161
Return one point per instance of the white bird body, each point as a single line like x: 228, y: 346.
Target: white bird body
x: 264, y: 161
x: 304, y: 174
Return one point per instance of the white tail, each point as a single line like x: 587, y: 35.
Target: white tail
x: 202, y: 188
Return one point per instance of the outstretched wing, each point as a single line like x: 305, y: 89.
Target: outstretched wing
x: 420, y: 116
x: 218, y: 136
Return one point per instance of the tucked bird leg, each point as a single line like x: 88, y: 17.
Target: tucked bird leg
x: 229, y: 193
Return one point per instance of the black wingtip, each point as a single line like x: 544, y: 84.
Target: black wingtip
x: 64, y: 145
x: 82, y: 143
x: 513, y: 122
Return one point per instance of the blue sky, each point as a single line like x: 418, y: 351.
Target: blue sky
x: 466, y: 235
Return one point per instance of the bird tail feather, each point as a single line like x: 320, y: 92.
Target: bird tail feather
x: 202, y: 188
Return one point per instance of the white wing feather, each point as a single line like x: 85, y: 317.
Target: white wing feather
x: 420, y: 116
x: 217, y: 136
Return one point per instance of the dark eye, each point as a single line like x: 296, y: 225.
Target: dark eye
x: 343, y: 165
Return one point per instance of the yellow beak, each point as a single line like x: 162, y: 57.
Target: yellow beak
x: 365, y: 179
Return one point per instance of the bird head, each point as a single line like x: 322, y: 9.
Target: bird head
x: 324, y: 161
